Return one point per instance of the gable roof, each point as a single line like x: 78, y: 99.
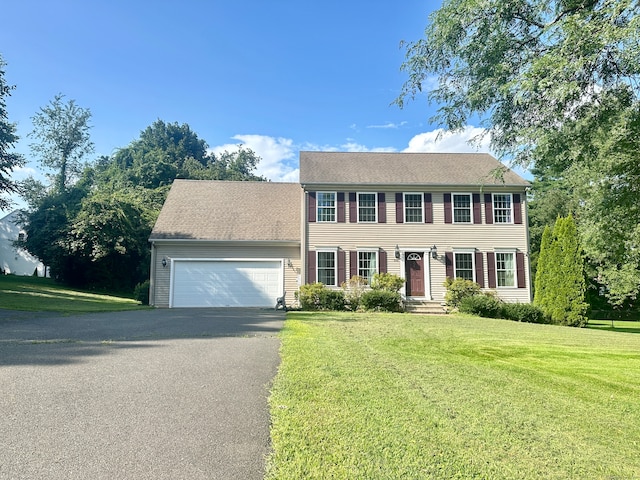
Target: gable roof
x: 234, y: 211
x: 378, y: 168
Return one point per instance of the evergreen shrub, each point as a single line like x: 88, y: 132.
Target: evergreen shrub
x: 381, y: 300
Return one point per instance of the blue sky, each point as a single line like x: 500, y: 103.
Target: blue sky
x: 278, y: 76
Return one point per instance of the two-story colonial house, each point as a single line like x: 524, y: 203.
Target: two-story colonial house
x: 422, y: 216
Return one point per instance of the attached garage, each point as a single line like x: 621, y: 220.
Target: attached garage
x: 226, y: 283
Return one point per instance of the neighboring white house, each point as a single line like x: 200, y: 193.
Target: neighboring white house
x: 15, y: 260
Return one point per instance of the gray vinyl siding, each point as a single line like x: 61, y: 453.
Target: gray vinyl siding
x: 446, y: 237
x: 176, y: 250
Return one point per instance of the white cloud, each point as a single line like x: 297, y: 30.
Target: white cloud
x: 279, y: 157
x: 471, y: 139
x: 388, y: 125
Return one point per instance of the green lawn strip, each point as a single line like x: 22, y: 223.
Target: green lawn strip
x: 405, y: 396
x: 43, y: 294
x: 615, y: 325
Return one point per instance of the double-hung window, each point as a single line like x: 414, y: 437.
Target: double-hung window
x: 502, y: 208
x: 462, y: 211
x: 326, y: 269
x: 463, y: 265
x: 367, y: 208
x: 413, y: 208
x: 326, y: 205
x: 367, y: 264
x: 505, y: 269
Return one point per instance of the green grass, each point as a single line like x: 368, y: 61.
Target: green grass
x: 386, y: 396
x: 43, y: 294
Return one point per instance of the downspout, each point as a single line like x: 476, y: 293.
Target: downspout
x: 304, y: 228
x: 152, y: 275
x: 528, y: 252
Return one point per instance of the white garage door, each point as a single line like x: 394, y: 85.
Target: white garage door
x: 230, y: 283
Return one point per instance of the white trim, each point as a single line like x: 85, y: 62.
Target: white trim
x: 404, y: 206
x: 493, y: 208
x: 375, y: 206
x: 335, y: 263
x: 453, y: 208
x: 513, y: 252
x: 426, y: 263
x: 471, y: 252
x: 367, y: 250
x: 335, y: 207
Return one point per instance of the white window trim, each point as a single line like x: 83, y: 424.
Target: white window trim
x: 335, y: 207
x: 404, y: 206
x: 473, y: 262
x: 493, y: 207
x: 515, y: 268
x: 453, y: 214
x: 375, y: 205
x: 369, y: 250
x: 335, y: 264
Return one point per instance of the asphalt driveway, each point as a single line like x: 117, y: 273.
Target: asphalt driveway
x: 154, y: 394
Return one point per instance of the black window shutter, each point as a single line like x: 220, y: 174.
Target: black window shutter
x: 488, y: 208
x: 517, y: 209
x: 382, y: 261
x: 312, y: 207
x: 428, y: 208
x: 341, y: 213
x: 382, y: 208
x: 491, y: 269
x: 477, y: 216
x: 353, y: 263
x: 311, y: 266
x: 520, y: 269
x: 448, y: 261
x: 399, y: 208
x: 479, y: 270
x: 341, y: 267
x: 447, y: 208
x: 353, y: 208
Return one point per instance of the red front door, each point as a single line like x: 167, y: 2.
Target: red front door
x: 414, y: 268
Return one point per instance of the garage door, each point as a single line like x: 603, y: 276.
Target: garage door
x: 218, y: 283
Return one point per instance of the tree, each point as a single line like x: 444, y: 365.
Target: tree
x: 62, y: 131
x: 554, y: 83
x: 8, y: 138
x: 560, y: 282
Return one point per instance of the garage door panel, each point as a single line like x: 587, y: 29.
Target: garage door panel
x: 198, y: 283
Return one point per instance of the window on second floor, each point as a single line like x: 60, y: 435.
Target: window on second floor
x: 367, y: 208
x: 462, y: 208
x: 502, y: 208
x: 326, y: 268
x: 413, y: 207
x: 367, y: 264
x: 463, y: 265
x: 326, y: 205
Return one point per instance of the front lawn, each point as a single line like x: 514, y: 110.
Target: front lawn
x: 368, y: 396
x: 43, y: 294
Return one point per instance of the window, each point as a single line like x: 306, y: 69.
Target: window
x: 326, y: 268
x: 505, y: 269
x: 21, y: 237
x: 502, y: 208
x: 367, y: 264
x: 463, y: 264
x: 326, y: 205
x: 461, y: 208
x: 367, y: 208
x: 413, y: 207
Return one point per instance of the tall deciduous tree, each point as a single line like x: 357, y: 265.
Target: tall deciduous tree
x: 63, y: 140
x: 8, y: 138
x: 557, y: 85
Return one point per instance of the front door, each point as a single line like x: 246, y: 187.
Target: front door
x: 414, y: 268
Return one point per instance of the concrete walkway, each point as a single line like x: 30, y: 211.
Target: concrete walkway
x: 156, y: 394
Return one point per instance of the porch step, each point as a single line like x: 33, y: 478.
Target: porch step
x: 425, y: 307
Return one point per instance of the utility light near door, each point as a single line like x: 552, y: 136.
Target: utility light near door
x: 397, y: 252
x: 164, y: 263
x: 434, y: 252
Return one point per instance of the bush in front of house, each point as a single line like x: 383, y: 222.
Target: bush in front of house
x: 353, y: 290
x: 458, y: 289
x: 524, y: 312
x: 316, y: 296
x: 141, y: 292
x: 482, y: 305
x: 387, y: 281
x: 381, y: 301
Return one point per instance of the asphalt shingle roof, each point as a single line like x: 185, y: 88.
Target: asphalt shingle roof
x: 234, y: 211
x: 377, y: 168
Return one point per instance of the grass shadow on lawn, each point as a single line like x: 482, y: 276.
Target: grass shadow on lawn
x: 621, y: 326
